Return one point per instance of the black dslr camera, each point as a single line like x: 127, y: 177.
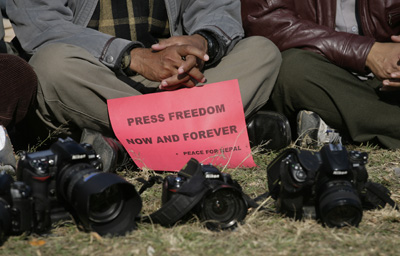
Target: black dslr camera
x: 330, y: 185
x: 203, y: 190
x: 15, y: 207
x: 66, y: 177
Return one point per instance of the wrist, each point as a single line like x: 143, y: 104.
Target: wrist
x: 126, y: 62
x: 138, y: 55
x: 202, y: 41
x: 212, y: 44
x: 371, y: 57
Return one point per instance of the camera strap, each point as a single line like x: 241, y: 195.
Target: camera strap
x: 174, y: 210
x: 382, y: 193
x: 186, y: 198
x: 149, y: 183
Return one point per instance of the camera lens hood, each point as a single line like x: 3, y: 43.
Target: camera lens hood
x: 105, y: 203
x: 340, y: 205
x: 223, y: 208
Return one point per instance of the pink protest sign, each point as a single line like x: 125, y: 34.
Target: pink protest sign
x: 162, y: 131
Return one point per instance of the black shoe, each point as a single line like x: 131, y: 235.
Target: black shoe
x: 268, y: 129
x: 110, y: 151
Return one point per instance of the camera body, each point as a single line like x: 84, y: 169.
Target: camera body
x: 220, y: 202
x: 30, y: 204
x: 329, y: 185
x: 66, y: 179
x: 16, y: 206
x: 40, y: 171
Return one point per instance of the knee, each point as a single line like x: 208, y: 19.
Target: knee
x: 262, y: 50
x: 294, y: 72
x: 53, y: 61
x: 296, y: 66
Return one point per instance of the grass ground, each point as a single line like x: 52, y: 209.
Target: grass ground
x: 263, y: 233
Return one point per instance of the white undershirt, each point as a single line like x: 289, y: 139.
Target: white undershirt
x: 346, y: 16
x: 346, y: 21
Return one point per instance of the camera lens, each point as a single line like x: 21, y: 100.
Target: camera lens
x: 340, y: 205
x: 107, y: 205
x: 223, y: 209
x: 103, y: 202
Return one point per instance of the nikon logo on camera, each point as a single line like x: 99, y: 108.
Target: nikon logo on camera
x: 211, y: 176
x: 81, y: 156
x: 339, y: 172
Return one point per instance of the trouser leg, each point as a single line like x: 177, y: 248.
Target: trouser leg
x: 307, y: 81
x: 255, y: 62
x: 74, y: 88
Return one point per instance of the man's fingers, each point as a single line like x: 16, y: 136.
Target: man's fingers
x: 196, y: 75
x: 188, y: 62
x: 396, y: 38
x: 395, y: 75
x: 190, y: 65
x: 185, y: 79
x: 160, y: 46
x: 389, y: 84
x: 172, y: 41
x: 190, y: 83
x: 185, y: 50
x: 173, y: 81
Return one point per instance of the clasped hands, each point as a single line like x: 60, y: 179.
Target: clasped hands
x: 384, y: 61
x: 174, y: 62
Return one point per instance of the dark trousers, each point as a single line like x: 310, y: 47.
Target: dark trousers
x: 308, y: 81
x: 18, y: 85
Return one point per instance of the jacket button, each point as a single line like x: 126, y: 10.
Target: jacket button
x: 110, y: 59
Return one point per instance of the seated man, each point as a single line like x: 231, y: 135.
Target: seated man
x: 85, y: 52
x: 340, y: 60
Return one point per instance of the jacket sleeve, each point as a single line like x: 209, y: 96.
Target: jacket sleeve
x: 280, y: 21
x: 40, y: 22
x: 222, y: 18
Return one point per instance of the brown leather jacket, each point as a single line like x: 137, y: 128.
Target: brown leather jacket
x: 310, y: 24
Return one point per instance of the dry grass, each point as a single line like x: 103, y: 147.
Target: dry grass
x: 263, y: 233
